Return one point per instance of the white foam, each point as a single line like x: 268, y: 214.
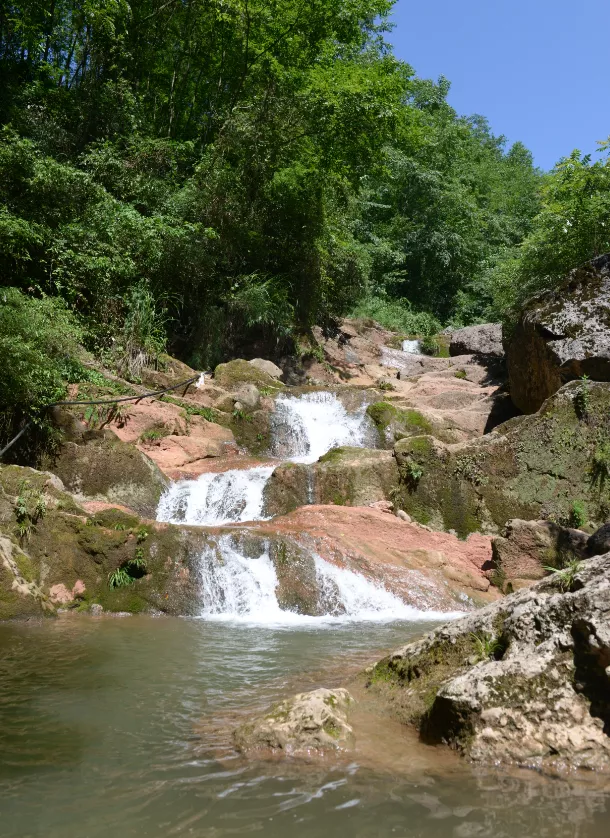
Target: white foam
x: 236, y: 588
x: 214, y: 499
x: 411, y: 347
x: 308, y: 426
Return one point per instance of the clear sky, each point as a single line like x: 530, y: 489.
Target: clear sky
x: 539, y: 70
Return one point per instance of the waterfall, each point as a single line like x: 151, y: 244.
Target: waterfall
x: 306, y: 427
x: 214, y: 499
x: 411, y: 347
x: 235, y: 587
x: 303, y: 429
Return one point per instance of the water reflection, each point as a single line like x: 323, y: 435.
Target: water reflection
x: 118, y: 728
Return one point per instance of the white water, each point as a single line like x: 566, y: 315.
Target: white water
x: 304, y: 429
x: 411, y: 347
x: 214, y: 499
x: 238, y: 588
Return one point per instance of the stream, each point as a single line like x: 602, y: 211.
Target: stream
x: 121, y: 726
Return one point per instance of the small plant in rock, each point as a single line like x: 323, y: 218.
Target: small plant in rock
x: 385, y: 385
x: 565, y: 576
x: 485, y: 646
x: 413, y: 473
x: 578, y: 514
x: 141, y: 534
x: 461, y: 374
x: 581, y: 399
x: 119, y: 578
x: 153, y: 435
x: 138, y: 562
x: 241, y: 416
x: 30, y: 507
x: 600, y: 466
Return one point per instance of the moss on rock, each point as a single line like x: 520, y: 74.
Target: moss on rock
x: 532, y: 468
x: 233, y: 373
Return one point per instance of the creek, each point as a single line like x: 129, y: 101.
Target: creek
x: 115, y: 726
x: 120, y: 727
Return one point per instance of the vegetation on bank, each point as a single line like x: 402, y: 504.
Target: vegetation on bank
x: 198, y: 176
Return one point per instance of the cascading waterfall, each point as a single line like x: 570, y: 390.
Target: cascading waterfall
x: 239, y: 588
x: 411, y: 347
x: 306, y: 427
x: 303, y: 429
x: 214, y: 499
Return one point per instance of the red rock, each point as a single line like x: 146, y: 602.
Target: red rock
x: 427, y: 569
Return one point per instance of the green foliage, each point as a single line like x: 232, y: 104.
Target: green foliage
x: 119, y: 578
x: 30, y: 507
x: 461, y: 374
x: 485, y: 645
x: 573, y: 226
x: 129, y: 571
x: 154, y: 434
x: 396, y: 315
x: 413, y: 473
x: 204, y: 175
x: 565, y: 576
x: 430, y: 345
x: 578, y: 514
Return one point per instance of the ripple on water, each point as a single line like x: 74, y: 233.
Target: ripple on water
x: 120, y: 727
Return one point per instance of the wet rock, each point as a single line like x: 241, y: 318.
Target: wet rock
x: 96, y: 610
x: 539, y: 692
x: 531, y: 467
x: 425, y: 569
x: 353, y: 476
x: 562, y: 335
x: 267, y: 367
x: 528, y: 547
x: 484, y: 340
x: 306, y: 723
x: 70, y: 555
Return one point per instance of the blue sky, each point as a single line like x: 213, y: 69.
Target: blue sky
x: 539, y: 70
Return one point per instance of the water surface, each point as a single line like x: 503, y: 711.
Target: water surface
x: 119, y: 727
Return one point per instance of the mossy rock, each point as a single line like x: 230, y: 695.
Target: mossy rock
x: 251, y: 429
x: 394, y: 423
x: 343, y: 476
x: 102, y: 467
x: 66, y: 547
x: 233, y: 373
x: 533, y: 468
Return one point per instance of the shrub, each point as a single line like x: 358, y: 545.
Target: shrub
x: 39, y: 351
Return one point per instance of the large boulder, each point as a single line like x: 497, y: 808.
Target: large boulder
x: 524, y: 681
x: 267, y: 367
x: 343, y: 476
x: 100, y: 466
x: 484, y: 340
x: 235, y: 373
x: 426, y: 570
x: 531, y: 467
x: 305, y: 723
x: 562, y: 335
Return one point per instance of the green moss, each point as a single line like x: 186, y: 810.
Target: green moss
x: 237, y: 372
x: 335, y: 455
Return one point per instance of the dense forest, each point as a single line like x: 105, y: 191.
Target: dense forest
x: 192, y: 174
